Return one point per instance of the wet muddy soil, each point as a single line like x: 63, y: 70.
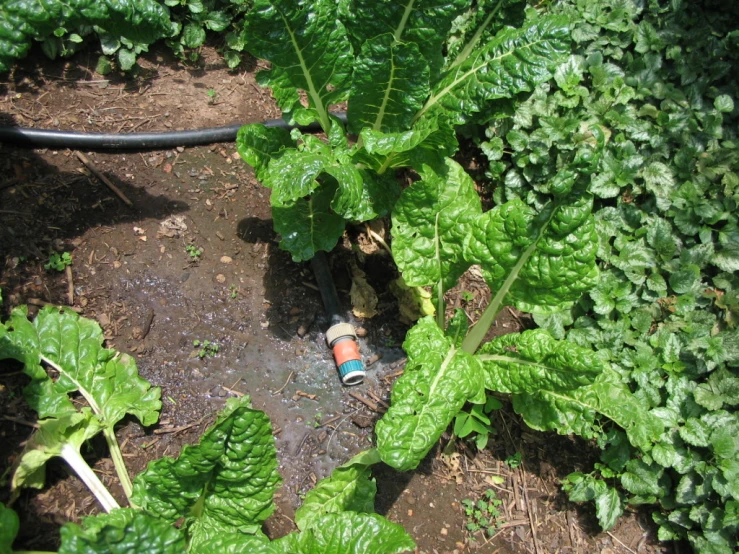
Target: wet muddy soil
x: 195, y: 259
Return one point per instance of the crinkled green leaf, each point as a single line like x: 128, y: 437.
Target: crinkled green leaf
x: 515, y: 60
x: 543, y: 261
x: 389, y: 84
x: 532, y: 361
x: 422, y: 24
x: 437, y: 381
x: 642, y: 479
x: 356, y: 533
x: 9, y: 526
x: 608, y: 508
x: 309, y: 46
x: 720, y: 388
x: 72, y: 345
x: 224, y: 483
x: 69, y: 429
x: 308, y: 226
x: 138, y: 532
x: 430, y: 221
x: 695, y: 432
x: 236, y: 543
x: 347, y: 489
x: 293, y: 175
x: 575, y: 411
x: 258, y: 145
x: 193, y: 35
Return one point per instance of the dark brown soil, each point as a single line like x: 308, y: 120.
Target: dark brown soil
x: 153, y: 299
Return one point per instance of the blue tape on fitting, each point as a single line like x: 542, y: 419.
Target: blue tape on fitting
x: 352, y: 372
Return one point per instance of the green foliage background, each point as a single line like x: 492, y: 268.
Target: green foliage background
x: 659, y: 79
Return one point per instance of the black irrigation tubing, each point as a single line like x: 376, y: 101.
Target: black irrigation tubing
x: 47, y: 138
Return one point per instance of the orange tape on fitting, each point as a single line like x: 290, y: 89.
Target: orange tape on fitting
x: 346, y: 350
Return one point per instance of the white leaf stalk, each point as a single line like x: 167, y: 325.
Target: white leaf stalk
x: 73, y: 457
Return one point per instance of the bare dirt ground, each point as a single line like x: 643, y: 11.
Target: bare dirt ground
x: 135, y: 271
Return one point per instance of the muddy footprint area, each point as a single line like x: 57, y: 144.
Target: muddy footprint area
x: 190, y: 281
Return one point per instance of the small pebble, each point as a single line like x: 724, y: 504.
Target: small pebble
x: 444, y: 531
x: 221, y: 278
x: 226, y: 259
x: 361, y: 332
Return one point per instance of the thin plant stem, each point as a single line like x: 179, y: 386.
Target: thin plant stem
x: 117, y: 457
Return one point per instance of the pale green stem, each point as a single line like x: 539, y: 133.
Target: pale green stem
x: 440, y: 307
x: 312, y: 92
x: 117, y: 457
x: 109, y: 433
x: 467, y: 50
x: 476, y: 335
x: 73, y: 457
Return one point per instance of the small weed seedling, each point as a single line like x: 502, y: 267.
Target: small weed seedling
x: 58, y: 261
x: 207, y: 348
x: 475, y: 423
x: 484, y: 514
x: 234, y: 291
x: 211, y: 96
x: 513, y: 461
x: 467, y: 296
x: 194, y: 252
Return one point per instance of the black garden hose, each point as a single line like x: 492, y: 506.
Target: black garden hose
x: 46, y: 138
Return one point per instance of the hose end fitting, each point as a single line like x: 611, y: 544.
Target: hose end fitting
x: 342, y: 339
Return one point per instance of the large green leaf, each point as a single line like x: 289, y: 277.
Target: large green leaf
x: 8, y: 529
x: 516, y: 60
x: 347, y: 489
x: 389, y: 85
x: 422, y: 23
x: 72, y: 346
x: 224, y: 483
x: 356, y: 533
x: 132, y: 532
x: 437, y: 381
x: 308, y: 226
x: 532, y: 361
x: 258, y: 145
x: 308, y: 44
x: 577, y: 411
x: 430, y: 221
x: 541, y: 262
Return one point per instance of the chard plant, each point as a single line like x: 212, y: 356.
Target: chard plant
x: 387, y: 61
x: 214, y: 497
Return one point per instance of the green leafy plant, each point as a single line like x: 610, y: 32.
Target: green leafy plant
x: 58, y: 262
x: 194, y: 252
x: 213, y: 497
x: 484, y: 514
x: 62, y: 25
x: 58, y: 367
x: 404, y: 99
x: 514, y: 460
x: 207, y: 348
x: 656, y: 79
x: 233, y: 291
x: 475, y: 422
